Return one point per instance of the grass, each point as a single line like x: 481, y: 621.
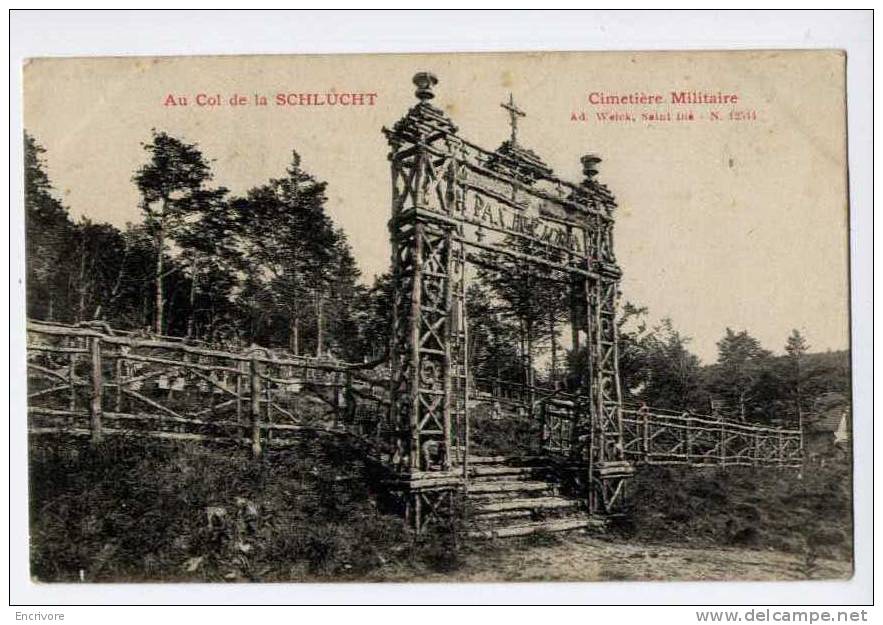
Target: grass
x: 806, y: 511
x: 144, y: 510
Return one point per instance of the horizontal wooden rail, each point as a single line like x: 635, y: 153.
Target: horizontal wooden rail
x: 86, y: 378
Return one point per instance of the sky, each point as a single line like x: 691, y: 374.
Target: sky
x: 721, y: 223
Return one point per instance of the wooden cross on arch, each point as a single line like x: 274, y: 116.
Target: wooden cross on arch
x: 514, y: 114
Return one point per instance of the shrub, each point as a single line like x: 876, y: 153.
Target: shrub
x: 150, y: 510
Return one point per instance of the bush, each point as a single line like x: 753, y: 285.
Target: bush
x: 785, y: 509
x: 149, y: 510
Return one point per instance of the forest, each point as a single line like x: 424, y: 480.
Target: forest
x: 271, y: 268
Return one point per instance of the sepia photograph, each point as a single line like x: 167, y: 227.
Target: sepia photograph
x: 445, y: 317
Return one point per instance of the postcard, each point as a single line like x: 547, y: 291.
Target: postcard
x: 478, y: 317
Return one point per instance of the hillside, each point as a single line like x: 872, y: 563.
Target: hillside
x: 141, y: 510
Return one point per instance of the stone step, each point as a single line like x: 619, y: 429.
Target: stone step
x: 480, y: 471
x: 554, y: 525
x: 485, y: 520
x: 487, y: 459
x: 508, y: 518
x: 525, y: 503
x: 508, y: 486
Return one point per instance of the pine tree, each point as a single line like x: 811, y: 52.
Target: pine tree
x: 48, y: 232
x: 742, y: 373
x: 300, y: 265
x: 795, y: 349
x: 173, y: 193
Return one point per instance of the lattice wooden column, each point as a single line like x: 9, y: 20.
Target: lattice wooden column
x: 609, y: 470
x: 428, y: 335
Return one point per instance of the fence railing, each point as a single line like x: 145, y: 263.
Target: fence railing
x: 90, y: 381
x: 93, y: 381
x: 654, y: 438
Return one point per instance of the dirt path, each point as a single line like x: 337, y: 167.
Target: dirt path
x: 584, y: 558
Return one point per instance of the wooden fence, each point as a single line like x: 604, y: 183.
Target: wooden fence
x: 654, y: 438
x: 94, y: 381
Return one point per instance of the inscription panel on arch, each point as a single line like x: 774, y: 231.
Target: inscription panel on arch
x: 491, y: 210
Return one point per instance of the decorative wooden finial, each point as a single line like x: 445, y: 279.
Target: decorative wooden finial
x: 590, y: 165
x: 514, y: 114
x: 424, y: 81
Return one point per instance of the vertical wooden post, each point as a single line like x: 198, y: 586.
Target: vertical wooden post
x: 418, y: 512
x: 589, y: 387
x: 464, y: 322
x: 240, y: 365
x: 448, y: 372
x: 723, y: 444
x: 781, y: 453
x: 646, y: 434
x: 416, y: 315
x: 72, y: 379
x: 336, y: 389
x: 255, y: 377
x: 554, y: 364
x: 97, y: 384
x: 688, y: 441
x: 800, y: 427
x: 118, y: 403
x: 573, y: 261
x: 268, y: 413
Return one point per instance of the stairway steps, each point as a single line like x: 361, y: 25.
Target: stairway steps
x: 487, y: 519
x: 480, y: 471
x: 556, y: 525
x: 526, y: 503
x: 487, y: 459
x: 507, y: 486
x: 513, y: 497
x: 491, y: 520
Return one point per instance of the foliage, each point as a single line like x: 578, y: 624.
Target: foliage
x: 657, y: 366
x: 178, y: 206
x: 270, y: 267
x: 742, y: 374
x: 371, y: 315
x: 301, y: 282
x: 806, y: 511
x: 147, y: 510
x: 520, y: 305
x: 493, y: 338
x: 200, y: 265
x: 47, y: 230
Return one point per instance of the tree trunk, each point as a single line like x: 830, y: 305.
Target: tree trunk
x: 531, y: 395
x: 320, y: 334
x: 294, y: 338
x: 522, y: 353
x: 554, y: 371
x: 798, y: 397
x: 191, y: 317
x: 496, y: 342
x: 81, y: 281
x: 159, y: 300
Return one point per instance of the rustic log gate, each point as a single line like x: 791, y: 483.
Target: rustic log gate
x: 455, y: 206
